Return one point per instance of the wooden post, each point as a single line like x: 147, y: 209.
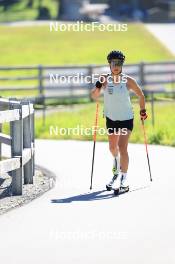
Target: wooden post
x: 172, y: 86
x: 44, y: 112
x: 1, y: 108
x: 32, y: 122
x: 90, y: 72
x: 152, y: 108
x: 40, y: 80
x: 27, y: 143
x: 142, y: 75
x: 16, y: 132
x: 41, y: 92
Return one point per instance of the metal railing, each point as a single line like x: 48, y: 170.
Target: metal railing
x: 21, y: 165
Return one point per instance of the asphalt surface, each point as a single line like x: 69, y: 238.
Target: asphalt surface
x: 165, y: 33
x: 71, y: 224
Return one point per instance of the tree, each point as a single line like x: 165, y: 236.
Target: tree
x: 7, y: 3
x: 61, y: 8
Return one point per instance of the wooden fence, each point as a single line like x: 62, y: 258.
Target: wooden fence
x: 21, y: 165
x: 151, y: 76
x: 156, y: 79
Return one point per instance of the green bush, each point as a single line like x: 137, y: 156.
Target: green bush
x: 156, y: 138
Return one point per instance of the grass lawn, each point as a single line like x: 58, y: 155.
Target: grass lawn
x: 22, y: 93
x: 163, y: 133
x: 37, y: 45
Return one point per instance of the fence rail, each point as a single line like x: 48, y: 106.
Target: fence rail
x: 157, y: 78
x: 151, y: 76
x: 21, y: 165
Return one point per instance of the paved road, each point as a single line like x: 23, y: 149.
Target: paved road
x: 69, y: 224
x: 165, y: 33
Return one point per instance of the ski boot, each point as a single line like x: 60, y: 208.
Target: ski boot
x: 124, y: 186
x: 109, y: 186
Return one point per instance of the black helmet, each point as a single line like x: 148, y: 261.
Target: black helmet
x: 116, y: 54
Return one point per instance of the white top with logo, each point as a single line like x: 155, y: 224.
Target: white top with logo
x: 117, y: 103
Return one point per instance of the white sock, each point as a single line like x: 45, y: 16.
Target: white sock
x: 124, y: 174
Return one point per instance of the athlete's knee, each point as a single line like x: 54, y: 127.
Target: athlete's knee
x: 123, y: 150
x: 113, y: 148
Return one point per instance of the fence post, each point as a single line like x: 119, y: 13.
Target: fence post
x: 40, y: 79
x: 32, y: 122
x: 1, y: 108
x: 152, y: 108
x: 172, y: 86
x: 142, y: 74
x: 41, y: 92
x: 71, y: 95
x: 90, y: 72
x: 16, y: 132
x: 27, y: 143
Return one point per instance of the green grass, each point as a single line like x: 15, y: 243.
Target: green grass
x: 163, y: 133
x: 22, y: 93
x: 37, y: 45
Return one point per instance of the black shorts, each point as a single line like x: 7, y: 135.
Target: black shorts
x: 113, y: 126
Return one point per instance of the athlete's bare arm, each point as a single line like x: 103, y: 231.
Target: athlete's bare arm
x: 132, y: 85
x: 95, y: 93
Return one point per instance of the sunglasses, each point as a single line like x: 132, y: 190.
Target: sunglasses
x: 116, y: 62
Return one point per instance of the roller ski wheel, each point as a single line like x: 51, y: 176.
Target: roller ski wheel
x: 124, y: 189
x: 121, y: 190
x: 116, y: 191
x: 108, y: 188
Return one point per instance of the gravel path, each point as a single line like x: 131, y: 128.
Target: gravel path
x: 43, y: 181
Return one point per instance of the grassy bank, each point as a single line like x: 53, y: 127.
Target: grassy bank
x: 37, y: 45
x: 163, y: 133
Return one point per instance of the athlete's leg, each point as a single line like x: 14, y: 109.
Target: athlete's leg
x: 113, y: 144
x: 113, y: 147
x: 123, y: 149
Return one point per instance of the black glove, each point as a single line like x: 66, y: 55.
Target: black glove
x: 143, y: 114
x: 98, y: 84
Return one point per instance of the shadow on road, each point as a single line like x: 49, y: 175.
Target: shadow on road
x: 93, y: 196
x: 90, y: 196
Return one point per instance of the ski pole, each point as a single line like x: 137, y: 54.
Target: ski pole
x: 94, y: 138
x: 146, y: 146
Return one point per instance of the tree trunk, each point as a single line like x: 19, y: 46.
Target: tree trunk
x: 61, y: 9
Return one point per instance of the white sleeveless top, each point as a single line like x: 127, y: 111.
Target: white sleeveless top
x: 117, y: 103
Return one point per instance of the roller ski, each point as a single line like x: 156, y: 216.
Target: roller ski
x: 109, y: 186
x: 120, y: 190
x: 117, y: 184
x: 113, y: 186
x: 124, y: 186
